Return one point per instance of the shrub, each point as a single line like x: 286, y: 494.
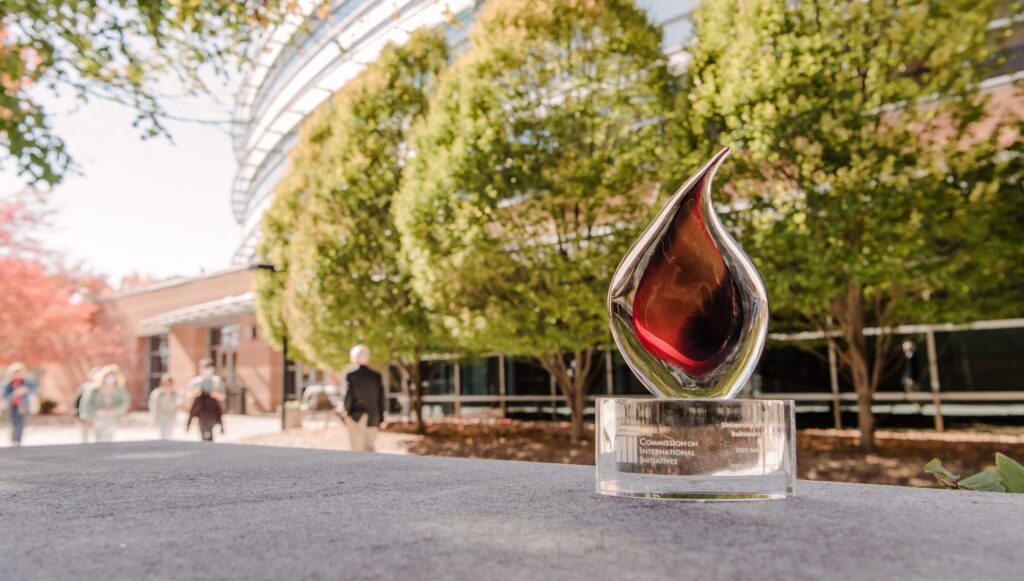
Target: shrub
x: 46, y: 406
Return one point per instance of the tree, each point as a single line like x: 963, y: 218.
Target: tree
x: 868, y: 188
x: 543, y: 152
x: 43, y: 318
x: 21, y: 216
x: 278, y: 224
x: 47, y: 311
x: 344, y: 283
x: 117, y: 50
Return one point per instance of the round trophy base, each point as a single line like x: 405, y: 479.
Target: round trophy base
x: 697, y: 450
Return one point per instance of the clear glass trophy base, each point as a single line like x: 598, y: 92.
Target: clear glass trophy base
x: 696, y: 449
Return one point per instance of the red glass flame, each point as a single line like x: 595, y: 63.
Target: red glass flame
x: 686, y: 309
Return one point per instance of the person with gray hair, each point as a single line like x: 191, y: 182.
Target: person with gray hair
x: 364, y: 401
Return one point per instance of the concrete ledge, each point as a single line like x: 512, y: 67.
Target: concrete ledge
x: 209, y: 511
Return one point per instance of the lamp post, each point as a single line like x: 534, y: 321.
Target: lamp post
x: 284, y: 344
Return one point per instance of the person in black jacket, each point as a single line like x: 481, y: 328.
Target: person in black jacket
x: 364, y: 401
x: 207, y: 410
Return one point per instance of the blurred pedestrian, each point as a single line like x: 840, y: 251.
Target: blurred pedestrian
x: 207, y: 382
x: 364, y: 401
x: 76, y: 410
x: 911, y: 366
x: 207, y: 410
x: 163, y: 406
x: 106, y: 403
x: 18, y: 390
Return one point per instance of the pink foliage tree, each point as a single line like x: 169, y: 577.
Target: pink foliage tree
x: 47, y: 309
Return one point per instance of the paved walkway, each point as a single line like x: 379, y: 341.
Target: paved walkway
x: 137, y: 427
x: 169, y: 510
x: 332, y: 436
x: 264, y: 430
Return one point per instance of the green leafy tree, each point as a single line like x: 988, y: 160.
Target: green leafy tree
x: 868, y: 189
x: 110, y: 49
x: 543, y: 153
x: 278, y: 224
x: 345, y: 284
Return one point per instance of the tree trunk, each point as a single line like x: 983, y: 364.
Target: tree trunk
x: 572, y: 381
x: 416, y: 397
x: 849, y: 311
x: 576, y: 406
x: 865, y: 421
x: 414, y: 387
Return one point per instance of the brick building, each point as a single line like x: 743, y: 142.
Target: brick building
x: 170, y: 327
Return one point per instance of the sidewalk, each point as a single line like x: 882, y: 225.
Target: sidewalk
x: 334, y: 436
x: 137, y: 427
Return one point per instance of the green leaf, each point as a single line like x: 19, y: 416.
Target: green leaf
x: 944, y: 476
x: 1011, y: 474
x: 986, y: 481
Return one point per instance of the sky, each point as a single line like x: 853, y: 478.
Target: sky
x: 153, y: 207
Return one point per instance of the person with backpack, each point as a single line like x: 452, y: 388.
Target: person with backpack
x: 207, y: 410
x: 18, y: 391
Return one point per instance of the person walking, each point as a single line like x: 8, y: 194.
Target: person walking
x: 209, y: 413
x: 107, y: 403
x: 364, y: 401
x: 163, y: 406
x: 18, y: 390
x: 76, y: 409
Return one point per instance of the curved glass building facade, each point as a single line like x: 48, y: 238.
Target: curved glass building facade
x: 297, y: 65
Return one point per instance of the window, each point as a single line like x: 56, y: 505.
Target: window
x: 481, y: 377
x: 624, y: 382
x: 979, y: 360
x: 788, y: 368
x: 156, y: 360
x: 457, y: 32
x: 525, y: 378
x: 540, y: 410
x: 438, y: 377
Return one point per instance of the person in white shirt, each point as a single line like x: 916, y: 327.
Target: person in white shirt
x: 163, y: 406
x: 208, y: 382
x: 105, y: 404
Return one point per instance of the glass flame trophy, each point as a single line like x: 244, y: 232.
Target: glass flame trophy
x: 689, y: 312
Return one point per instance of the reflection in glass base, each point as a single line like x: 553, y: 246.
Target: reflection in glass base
x: 698, y: 450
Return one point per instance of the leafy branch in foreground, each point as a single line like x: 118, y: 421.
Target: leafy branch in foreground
x: 117, y: 50
x: 1007, y: 476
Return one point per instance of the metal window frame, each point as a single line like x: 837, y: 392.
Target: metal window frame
x: 832, y: 396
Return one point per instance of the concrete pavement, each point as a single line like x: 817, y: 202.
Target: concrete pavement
x: 137, y: 427
x: 168, y: 510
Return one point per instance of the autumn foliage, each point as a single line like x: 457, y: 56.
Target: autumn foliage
x: 46, y: 310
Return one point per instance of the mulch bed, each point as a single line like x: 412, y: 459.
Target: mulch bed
x: 501, y: 440
x: 821, y: 454
x: 899, y: 455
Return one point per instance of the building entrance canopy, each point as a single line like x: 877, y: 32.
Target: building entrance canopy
x: 213, y: 313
